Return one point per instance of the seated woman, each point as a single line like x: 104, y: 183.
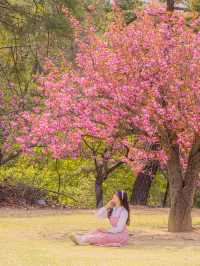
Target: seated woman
x: 117, y: 211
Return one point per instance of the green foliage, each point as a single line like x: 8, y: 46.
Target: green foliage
x: 100, y: 12
x: 194, y: 5
x: 157, y: 191
x: 30, y: 32
x: 77, y: 178
x: 65, y: 176
x: 121, y: 179
x: 130, y: 4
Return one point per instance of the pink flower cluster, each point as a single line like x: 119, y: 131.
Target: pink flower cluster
x: 137, y: 84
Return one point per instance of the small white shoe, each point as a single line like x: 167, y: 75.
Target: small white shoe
x: 74, y: 239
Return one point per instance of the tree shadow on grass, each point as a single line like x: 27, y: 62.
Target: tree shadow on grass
x: 163, y: 238
x: 142, y: 239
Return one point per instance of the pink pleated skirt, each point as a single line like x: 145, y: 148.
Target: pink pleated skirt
x: 105, y: 239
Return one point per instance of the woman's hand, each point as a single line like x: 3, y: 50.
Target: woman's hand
x: 109, y: 204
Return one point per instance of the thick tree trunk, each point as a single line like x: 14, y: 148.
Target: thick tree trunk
x: 182, y: 188
x: 99, y: 193
x: 142, y: 185
x: 180, y: 219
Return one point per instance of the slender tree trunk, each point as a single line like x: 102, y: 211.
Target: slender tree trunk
x: 59, y: 180
x: 166, y: 195
x: 1, y: 157
x: 170, y: 5
x: 142, y: 185
x: 99, y: 192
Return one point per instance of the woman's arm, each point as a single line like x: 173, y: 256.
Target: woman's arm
x: 103, y: 212
x: 121, y: 223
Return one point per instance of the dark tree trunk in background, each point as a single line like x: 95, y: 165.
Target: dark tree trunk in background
x: 141, y: 189
x: 170, y: 5
x: 166, y: 195
x: 59, y: 179
x: 99, y: 192
x: 142, y: 185
x: 1, y: 157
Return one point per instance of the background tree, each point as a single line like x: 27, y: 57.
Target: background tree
x: 170, y: 5
x: 30, y: 31
x: 149, y: 90
x: 142, y: 185
x: 24, y: 48
x: 106, y: 160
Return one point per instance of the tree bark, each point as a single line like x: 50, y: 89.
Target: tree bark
x: 59, y: 180
x: 141, y: 189
x: 182, y: 188
x: 99, y: 192
x: 180, y: 218
x: 166, y: 195
x: 142, y: 185
x: 170, y: 5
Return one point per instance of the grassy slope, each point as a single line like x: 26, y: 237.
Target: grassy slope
x: 40, y: 238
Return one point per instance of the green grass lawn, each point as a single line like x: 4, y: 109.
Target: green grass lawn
x: 40, y: 238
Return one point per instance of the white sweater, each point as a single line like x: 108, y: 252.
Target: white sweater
x: 120, y: 212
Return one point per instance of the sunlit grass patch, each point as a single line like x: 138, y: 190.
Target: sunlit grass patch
x: 40, y: 238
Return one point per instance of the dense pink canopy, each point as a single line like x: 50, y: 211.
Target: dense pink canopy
x: 139, y: 80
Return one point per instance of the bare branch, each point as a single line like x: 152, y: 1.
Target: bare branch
x: 114, y: 167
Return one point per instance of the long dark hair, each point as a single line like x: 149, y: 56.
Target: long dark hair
x: 123, y: 197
